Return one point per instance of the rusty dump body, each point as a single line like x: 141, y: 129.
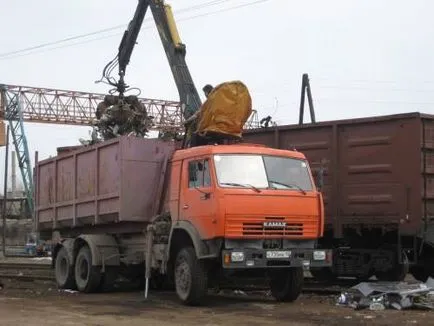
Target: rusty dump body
x: 377, y: 171
x: 112, y: 182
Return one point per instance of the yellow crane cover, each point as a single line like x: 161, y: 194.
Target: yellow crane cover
x: 226, y: 109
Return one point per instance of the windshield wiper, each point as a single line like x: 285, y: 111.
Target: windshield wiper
x: 291, y: 185
x: 241, y: 185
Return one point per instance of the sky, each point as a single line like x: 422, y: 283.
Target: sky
x: 363, y: 57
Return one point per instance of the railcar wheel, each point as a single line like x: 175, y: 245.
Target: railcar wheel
x: 397, y: 273
x: 323, y: 274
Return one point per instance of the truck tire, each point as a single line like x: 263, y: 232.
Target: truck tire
x: 287, y: 284
x: 87, y: 277
x: 191, y: 279
x: 64, y: 271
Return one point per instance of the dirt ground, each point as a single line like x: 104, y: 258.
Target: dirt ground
x: 29, y: 304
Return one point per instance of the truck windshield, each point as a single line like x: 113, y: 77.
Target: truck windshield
x: 262, y: 172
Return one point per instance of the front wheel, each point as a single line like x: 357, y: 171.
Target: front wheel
x: 287, y: 284
x: 191, y: 279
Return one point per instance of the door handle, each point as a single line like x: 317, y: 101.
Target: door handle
x: 185, y: 206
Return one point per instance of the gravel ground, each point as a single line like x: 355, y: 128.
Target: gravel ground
x: 40, y: 303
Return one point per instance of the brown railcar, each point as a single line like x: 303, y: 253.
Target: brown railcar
x: 377, y: 177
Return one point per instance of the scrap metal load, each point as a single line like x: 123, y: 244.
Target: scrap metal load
x: 222, y: 115
x: 118, y: 116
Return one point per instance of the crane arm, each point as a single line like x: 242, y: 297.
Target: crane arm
x: 129, y: 38
x: 175, y: 52
x: 174, y: 48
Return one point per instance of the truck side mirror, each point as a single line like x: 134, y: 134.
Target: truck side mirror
x: 205, y: 196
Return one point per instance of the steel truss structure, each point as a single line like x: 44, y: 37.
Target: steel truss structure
x: 19, y: 104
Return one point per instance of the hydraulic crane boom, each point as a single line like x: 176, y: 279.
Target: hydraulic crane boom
x: 175, y: 52
x: 174, y: 48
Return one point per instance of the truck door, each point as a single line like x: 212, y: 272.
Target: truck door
x: 197, y: 203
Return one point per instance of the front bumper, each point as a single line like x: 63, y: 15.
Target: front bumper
x: 282, y: 258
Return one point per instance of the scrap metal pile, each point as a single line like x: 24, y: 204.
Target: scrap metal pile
x: 389, y: 295
x: 117, y: 116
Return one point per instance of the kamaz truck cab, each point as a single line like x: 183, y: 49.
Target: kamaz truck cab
x: 250, y: 211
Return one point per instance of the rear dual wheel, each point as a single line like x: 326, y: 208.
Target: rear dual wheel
x: 64, y: 270
x: 87, y: 277
x: 83, y: 276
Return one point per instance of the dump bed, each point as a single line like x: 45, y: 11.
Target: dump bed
x: 116, y: 181
x: 377, y: 170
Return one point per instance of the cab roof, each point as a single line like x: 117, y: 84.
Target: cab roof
x: 234, y: 149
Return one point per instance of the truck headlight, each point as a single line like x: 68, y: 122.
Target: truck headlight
x: 237, y: 256
x: 319, y: 255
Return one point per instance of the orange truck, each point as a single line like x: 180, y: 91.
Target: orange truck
x: 195, y: 218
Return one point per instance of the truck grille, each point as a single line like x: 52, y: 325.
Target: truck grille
x: 288, y: 227
x: 261, y: 230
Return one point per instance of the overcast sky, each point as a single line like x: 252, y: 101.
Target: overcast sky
x: 364, y: 58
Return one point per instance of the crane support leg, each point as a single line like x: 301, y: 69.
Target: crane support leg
x: 14, y: 115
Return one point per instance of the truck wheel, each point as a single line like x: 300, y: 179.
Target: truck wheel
x: 191, y: 279
x: 87, y: 277
x: 286, y: 284
x: 64, y: 271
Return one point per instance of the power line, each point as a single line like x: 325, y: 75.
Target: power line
x: 369, y: 81
x: 62, y: 46
x: 17, y: 53
x: 192, y: 8
x: 377, y: 89
x: 347, y: 85
x: 200, y: 6
x: 6, y: 54
x: 320, y: 100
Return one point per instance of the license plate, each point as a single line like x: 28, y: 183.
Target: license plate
x: 278, y: 254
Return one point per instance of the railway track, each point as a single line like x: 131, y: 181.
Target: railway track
x: 325, y: 288
x: 31, y: 271
x: 26, y: 271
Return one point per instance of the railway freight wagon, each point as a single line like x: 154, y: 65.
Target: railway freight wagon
x: 377, y: 179
x: 197, y: 217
